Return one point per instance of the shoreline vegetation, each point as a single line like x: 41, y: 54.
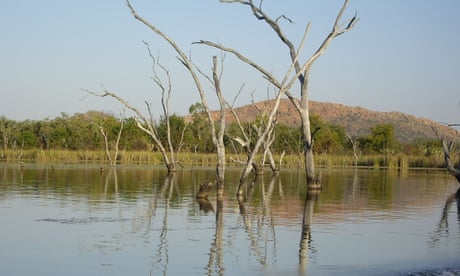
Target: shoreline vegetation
x: 99, y: 157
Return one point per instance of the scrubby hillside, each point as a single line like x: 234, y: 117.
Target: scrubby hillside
x: 357, y: 120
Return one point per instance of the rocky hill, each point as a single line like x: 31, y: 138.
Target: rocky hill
x: 357, y: 120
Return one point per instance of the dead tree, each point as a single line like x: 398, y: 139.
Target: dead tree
x: 147, y: 123
x: 447, y: 148
x: 268, y: 141
x: 258, y: 127
x: 112, y: 160
x: 283, y: 86
x: 355, y: 144
x: 194, y: 73
x: 302, y: 72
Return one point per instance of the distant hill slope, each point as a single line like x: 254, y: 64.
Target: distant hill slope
x: 357, y: 120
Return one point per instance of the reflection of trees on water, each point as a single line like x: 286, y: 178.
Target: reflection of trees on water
x: 162, y: 254
x: 216, y: 251
x: 264, y: 230
x: 442, y: 229
x: 108, y: 177
x: 305, y: 238
x: 112, y: 177
x: 164, y: 194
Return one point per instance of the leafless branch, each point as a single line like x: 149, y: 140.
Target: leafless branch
x: 283, y: 17
x: 182, y: 57
x: 243, y: 58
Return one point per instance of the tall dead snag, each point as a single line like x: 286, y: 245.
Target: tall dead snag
x: 302, y: 71
x: 194, y: 73
x: 218, y: 136
x: 147, y: 123
x: 283, y: 86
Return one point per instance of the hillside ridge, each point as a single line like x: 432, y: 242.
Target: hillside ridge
x: 357, y: 121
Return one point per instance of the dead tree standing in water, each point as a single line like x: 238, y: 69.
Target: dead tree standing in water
x: 194, y: 72
x: 147, y: 123
x: 302, y: 71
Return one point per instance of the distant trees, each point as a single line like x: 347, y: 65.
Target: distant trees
x: 81, y: 131
x: 200, y: 130
x: 381, y: 140
x: 76, y: 132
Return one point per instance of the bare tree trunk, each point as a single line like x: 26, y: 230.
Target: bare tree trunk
x: 218, y: 138
x: 354, y: 142
x: 112, y: 161
x: 106, y: 143
x: 307, y: 145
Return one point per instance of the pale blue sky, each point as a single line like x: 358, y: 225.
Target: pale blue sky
x: 401, y: 56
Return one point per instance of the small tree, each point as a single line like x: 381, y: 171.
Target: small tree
x: 105, y: 132
x: 383, y: 139
x: 355, y: 145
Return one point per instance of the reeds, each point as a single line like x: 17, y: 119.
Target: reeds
x: 396, y: 161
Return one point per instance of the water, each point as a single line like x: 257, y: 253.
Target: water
x: 73, y: 220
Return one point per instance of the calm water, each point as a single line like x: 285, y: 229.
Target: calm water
x: 136, y: 221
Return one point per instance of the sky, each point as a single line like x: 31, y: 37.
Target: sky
x: 401, y: 56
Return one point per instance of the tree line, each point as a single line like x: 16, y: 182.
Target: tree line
x: 82, y: 131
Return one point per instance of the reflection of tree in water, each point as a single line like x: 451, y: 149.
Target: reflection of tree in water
x: 305, y: 239
x: 164, y: 195
x: 162, y: 254
x: 442, y: 230
x: 258, y: 227
x: 108, y: 177
x: 264, y: 232
x: 216, y: 251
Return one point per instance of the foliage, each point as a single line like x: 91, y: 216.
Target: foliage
x: 199, y: 133
x: 80, y: 132
x: 381, y: 140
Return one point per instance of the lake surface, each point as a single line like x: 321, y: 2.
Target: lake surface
x: 75, y: 220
